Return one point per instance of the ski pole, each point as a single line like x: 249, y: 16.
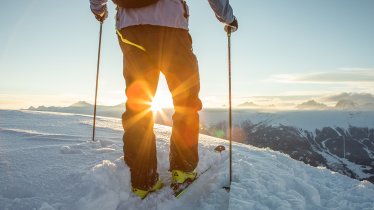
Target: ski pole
x: 97, y: 81
x: 230, y: 112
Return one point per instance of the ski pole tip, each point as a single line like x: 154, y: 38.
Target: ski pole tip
x: 227, y: 188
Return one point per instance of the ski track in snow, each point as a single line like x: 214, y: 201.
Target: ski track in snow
x: 48, y: 162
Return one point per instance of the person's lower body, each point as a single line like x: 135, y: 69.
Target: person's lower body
x: 149, y: 50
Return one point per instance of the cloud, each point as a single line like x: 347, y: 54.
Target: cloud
x: 348, y: 75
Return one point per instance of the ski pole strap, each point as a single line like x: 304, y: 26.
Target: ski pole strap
x: 126, y: 41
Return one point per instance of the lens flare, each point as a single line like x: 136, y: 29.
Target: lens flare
x: 156, y: 106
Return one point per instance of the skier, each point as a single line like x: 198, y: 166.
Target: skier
x: 154, y: 38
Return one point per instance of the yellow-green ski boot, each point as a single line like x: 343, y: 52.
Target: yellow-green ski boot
x: 143, y: 193
x: 181, y: 180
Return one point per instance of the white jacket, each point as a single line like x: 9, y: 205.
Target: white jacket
x: 170, y: 13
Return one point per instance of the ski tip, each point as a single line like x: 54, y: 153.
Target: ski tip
x: 179, y: 194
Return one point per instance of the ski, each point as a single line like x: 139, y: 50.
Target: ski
x: 181, y: 189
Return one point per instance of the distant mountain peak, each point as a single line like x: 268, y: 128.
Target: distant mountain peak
x: 345, y: 104
x: 312, y: 105
x: 248, y: 104
x: 81, y: 104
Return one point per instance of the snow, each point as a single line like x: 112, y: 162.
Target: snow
x: 269, y: 180
x: 305, y: 120
x: 48, y: 162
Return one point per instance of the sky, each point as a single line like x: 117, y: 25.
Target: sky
x: 284, y: 53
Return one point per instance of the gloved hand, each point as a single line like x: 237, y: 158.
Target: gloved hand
x: 233, y: 26
x: 102, y: 16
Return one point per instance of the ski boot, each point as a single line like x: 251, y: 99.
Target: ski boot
x: 143, y: 193
x: 181, y: 180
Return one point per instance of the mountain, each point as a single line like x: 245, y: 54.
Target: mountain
x: 248, y: 104
x: 358, y: 98
x: 342, y: 141
x: 312, y: 105
x: 48, y: 161
x: 83, y: 107
x: 345, y: 104
x: 81, y: 104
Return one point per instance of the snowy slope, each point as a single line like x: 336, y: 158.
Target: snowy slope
x: 47, y: 161
x: 306, y: 120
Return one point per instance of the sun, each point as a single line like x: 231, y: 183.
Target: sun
x: 156, y: 106
x: 160, y: 101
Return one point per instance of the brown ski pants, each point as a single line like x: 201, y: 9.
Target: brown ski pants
x: 148, y: 51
